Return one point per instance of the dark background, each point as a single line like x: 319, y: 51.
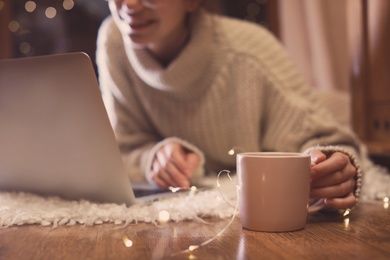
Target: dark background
x: 76, y: 29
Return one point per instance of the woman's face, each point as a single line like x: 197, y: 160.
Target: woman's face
x: 154, y: 24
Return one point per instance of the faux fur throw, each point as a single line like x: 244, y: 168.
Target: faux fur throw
x: 26, y: 208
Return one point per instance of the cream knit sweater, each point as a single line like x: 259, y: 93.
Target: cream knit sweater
x: 232, y: 86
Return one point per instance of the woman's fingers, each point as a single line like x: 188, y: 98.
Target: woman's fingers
x: 346, y: 202
x: 334, y: 179
x: 334, y: 191
x: 170, y: 172
x: 160, y: 177
x: 170, y: 167
x: 336, y: 162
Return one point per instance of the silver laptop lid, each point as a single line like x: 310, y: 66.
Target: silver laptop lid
x: 55, y: 136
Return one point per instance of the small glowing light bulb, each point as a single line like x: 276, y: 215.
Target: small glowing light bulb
x: 192, y: 248
x: 346, y: 223
x: 174, y: 189
x: 127, y: 242
x: 164, y: 216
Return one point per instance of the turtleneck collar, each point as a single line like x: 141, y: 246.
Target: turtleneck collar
x: 186, y: 68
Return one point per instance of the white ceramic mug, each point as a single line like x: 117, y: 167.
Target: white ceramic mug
x: 274, y: 190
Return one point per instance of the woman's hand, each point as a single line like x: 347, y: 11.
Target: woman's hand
x: 333, y: 178
x: 173, y: 165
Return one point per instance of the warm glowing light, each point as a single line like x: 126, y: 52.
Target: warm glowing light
x: 346, y: 223
x: 193, y: 188
x: 174, y: 189
x: 236, y: 150
x: 127, y: 242
x: 68, y: 4
x: 30, y: 6
x: 253, y: 9
x: 13, y: 26
x: 386, y: 199
x: 25, y: 47
x: 346, y: 213
x: 50, y: 12
x: 2, y: 4
x: 386, y: 205
x: 192, y: 248
x: 164, y: 216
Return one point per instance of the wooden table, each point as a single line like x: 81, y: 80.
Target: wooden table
x: 364, y: 235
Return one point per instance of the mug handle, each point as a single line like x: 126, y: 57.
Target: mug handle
x: 316, y: 206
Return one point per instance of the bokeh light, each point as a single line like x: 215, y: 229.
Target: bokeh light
x: 163, y: 216
x: 25, y: 48
x: 127, y: 242
x: 2, y: 4
x: 346, y: 224
x: 253, y: 9
x: 68, y: 4
x: 30, y: 6
x: 50, y: 12
x: 13, y: 26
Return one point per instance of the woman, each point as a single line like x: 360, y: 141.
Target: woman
x: 182, y: 87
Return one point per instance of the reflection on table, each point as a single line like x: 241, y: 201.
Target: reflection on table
x: 363, y: 234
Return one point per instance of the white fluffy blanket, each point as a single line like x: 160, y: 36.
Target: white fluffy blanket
x: 26, y: 208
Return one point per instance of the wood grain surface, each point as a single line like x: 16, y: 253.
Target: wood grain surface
x: 365, y: 234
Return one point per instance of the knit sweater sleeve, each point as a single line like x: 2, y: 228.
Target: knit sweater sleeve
x: 137, y: 138
x: 293, y: 118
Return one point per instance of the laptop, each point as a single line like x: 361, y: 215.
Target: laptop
x: 55, y: 135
